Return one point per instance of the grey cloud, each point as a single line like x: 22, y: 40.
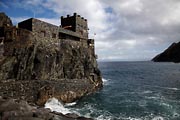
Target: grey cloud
x: 153, y: 24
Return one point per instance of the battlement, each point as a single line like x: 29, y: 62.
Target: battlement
x: 75, y: 23
x: 74, y: 15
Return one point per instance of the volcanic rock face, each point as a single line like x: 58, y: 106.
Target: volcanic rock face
x: 11, y: 109
x: 36, y: 69
x: 171, y: 54
x: 5, y: 20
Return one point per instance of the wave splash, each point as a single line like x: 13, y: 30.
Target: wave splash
x: 105, y: 81
x: 54, y: 105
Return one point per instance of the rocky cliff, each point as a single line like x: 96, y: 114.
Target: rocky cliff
x: 36, y: 69
x: 171, y: 54
x: 5, y: 20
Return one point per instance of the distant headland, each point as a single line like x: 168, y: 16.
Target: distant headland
x: 171, y: 54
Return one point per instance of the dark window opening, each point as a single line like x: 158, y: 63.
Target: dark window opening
x: 65, y: 36
x: 43, y: 33
x: 53, y: 35
x: 1, y: 40
x: 9, y: 35
x: 62, y: 36
x: 18, y: 32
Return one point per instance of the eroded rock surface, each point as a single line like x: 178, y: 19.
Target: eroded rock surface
x: 5, y: 20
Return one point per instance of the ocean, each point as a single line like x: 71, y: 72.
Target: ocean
x: 132, y: 91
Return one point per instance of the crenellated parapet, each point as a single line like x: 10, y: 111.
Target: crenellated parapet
x: 75, y: 23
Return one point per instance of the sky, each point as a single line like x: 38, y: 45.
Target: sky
x: 124, y: 30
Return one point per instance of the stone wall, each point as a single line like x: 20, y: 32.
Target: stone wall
x: 16, y: 38
x: 1, y: 49
x: 81, y: 26
x: 43, y: 29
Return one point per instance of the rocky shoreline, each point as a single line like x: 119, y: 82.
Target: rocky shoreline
x: 13, y: 109
x: 39, y: 91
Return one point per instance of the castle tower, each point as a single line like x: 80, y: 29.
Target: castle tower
x: 75, y: 23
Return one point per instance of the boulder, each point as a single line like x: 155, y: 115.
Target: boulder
x: 11, y: 109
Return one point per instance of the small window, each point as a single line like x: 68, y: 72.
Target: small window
x: 53, y: 35
x: 18, y: 32
x: 1, y: 40
x: 8, y: 34
x: 43, y: 33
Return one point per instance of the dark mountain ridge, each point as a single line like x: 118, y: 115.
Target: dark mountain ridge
x: 171, y: 54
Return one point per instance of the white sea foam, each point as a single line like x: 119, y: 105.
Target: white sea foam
x: 105, y: 81
x: 175, y: 115
x: 129, y: 118
x: 142, y: 103
x: 153, y: 97
x: 173, y: 88
x: 70, y: 104
x: 54, y: 105
x: 169, y: 88
x: 102, y: 117
x: 166, y: 105
x: 158, y: 118
x: 85, y: 111
x: 147, y: 92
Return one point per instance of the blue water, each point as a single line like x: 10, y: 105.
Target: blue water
x: 135, y: 91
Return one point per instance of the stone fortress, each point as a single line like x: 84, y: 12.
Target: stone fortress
x: 73, y: 31
x: 72, y: 28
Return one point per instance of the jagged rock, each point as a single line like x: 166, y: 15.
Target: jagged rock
x: 11, y: 109
x: 171, y: 54
x: 35, y: 91
x: 5, y: 20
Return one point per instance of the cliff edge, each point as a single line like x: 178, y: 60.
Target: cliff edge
x: 39, y: 61
x: 171, y: 54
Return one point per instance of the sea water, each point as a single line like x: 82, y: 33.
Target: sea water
x: 132, y: 91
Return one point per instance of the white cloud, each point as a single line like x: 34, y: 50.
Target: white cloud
x: 16, y: 20
x: 53, y: 21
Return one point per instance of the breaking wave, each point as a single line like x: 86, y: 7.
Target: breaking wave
x: 54, y: 105
x: 89, y: 110
x: 105, y: 81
